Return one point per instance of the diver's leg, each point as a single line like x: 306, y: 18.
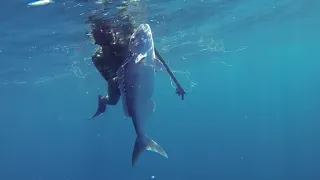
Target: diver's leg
x: 111, y: 99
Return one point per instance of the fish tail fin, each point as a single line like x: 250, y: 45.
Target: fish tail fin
x: 148, y: 144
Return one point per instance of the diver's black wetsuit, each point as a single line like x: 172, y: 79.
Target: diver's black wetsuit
x: 107, y: 64
x: 113, y: 40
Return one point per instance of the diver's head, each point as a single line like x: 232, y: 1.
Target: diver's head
x: 102, y: 32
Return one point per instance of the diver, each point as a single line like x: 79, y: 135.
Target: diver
x: 113, y: 39
x: 113, y: 43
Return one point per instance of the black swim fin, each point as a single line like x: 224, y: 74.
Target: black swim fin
x: 101, y: 108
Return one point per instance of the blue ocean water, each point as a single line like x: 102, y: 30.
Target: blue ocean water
x: 250, y: 68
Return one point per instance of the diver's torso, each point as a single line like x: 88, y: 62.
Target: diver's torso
x: 108, y: 62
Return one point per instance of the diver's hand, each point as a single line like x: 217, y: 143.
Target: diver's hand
x: 181, y: 92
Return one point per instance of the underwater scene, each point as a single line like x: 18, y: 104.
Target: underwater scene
x: 159, y: 90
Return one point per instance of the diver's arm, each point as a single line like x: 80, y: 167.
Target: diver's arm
x: 179, y: 90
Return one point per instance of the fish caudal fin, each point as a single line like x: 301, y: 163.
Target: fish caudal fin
x: 146, y: 144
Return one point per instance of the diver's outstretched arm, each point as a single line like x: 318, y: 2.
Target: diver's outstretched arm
x: 179, y: 89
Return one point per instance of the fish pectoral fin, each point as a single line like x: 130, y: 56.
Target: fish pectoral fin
x: 154, y: 105
x: 140, y: 58
x: 146, y: 143
x: 150, y: 108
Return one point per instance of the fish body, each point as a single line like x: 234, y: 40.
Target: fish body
x: 136, y: 79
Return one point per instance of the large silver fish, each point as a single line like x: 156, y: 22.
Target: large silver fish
x: 136, y: 82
